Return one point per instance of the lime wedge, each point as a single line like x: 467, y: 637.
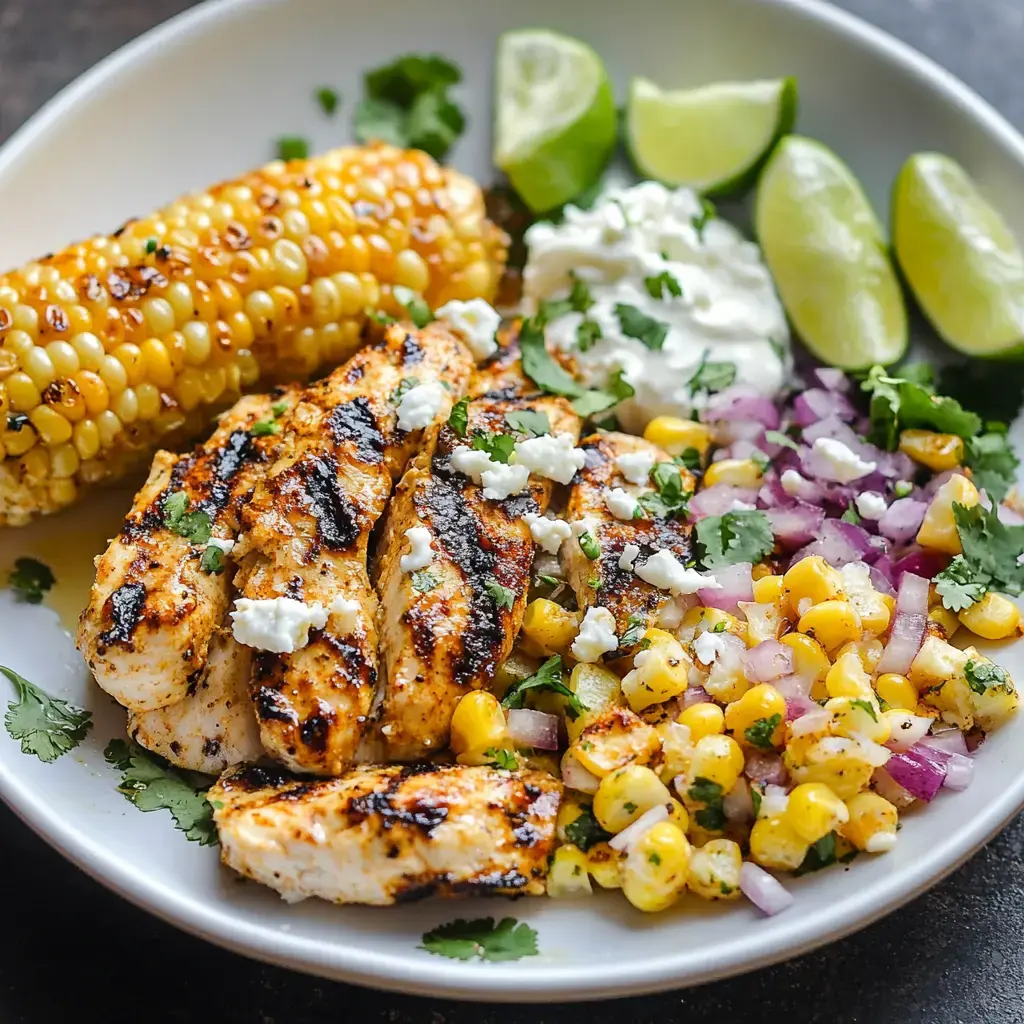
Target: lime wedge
x: 555, y: 122
x: 825, y: 249
x: 959, y: 257
x: 712, y: 139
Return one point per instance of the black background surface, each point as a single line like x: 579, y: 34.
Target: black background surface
x: 72, y: 951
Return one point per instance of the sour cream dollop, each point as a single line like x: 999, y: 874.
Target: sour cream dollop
x: 727, y: 311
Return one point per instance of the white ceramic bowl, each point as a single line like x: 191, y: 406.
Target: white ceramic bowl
x: 201, y: 98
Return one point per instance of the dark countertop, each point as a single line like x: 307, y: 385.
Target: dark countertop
x: 953, y: 956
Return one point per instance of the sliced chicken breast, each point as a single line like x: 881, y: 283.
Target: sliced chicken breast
x: 619, y: 589
x: 384, y: 835
x: 153, y: 609
x: 305, y: 535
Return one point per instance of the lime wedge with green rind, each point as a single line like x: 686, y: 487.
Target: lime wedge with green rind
x: 555, y: 121
x: 713, y: 139
x: 958, y: 257
x: 824, y: 246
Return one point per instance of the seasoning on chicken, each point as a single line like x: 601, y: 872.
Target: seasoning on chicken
x: 306, y: 529
x: 385, y: 835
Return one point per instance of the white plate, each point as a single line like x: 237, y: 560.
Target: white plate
x: 200, y: 99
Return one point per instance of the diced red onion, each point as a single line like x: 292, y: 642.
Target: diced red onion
x: 902, y: 519
x: 767, y: 768
x: 765, y: 891
x: 794, y: 687
x: 941, y: 478
x: 839, y: 544
x: 950, y: 740
x: 920, y: 770
x: 737, y: 804
x: 908, y: 625
x: 719, y: 499
x: 816, y: 404
x: 631, y: 833
x: 735, y: 584
x: 694, y: 695
x: 895, y: 465
x: 959, y: 772
x: 813, y: 721
x: 797, y: 707
x: 742, y: 402
x: 767, y: 661
x: 910, y: 730
x: 882, y: 574
x: 884, y: 784
x: 575, y: 776
x: 831, y: 379
x: 796, y: 525
x: 533, y: 728
x: 920, y: 563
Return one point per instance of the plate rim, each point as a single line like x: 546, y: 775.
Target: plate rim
x: 432, y: 976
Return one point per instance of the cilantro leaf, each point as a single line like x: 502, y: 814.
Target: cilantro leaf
x: 712, y: 815
x: 960, y: 584
x: 193, y: 526
x: 502, y: 758
x: 550, y: 676
x: 379, y: 120
x: 636, y: 626
x: 991, y: 547
x: 529, y: 421
x: 419, y: 312
x: 292, y: 147
x: 482, y: 939
x: 775, y: 437
x: 688, y: 459
x: 760, y: 733
x: 707, y: 212
x: 742, y: 536
x: 585, y: 831
x: 819, y: 855
x: 499, y: 447
x: 45, y: 726
x: 669, y: 498
x: 404, y: 79
x: 541, y: 367
x: 589, y: 545
x: 867, y: 707
x: 459, y: 418
x: 851, y: 515
x: 711, y: 376
x: 984, y: 675
x: 588, y: 332
x: 328, y: 99
x: 579, y: 301
x: 658, y: 285
x: 756, y: 796
x: 30, y: 579
x: 153, y: 785
x: 618, y: 389
x: 636, y: 324
x: 405, y: 385
x: 264, y: 428
x: 279, y: 409
x: 423, y: 581
x: 212, y: 560
x: 503, y: 597
x: 994, y: 463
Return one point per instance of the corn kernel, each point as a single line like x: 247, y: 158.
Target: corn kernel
x: 699, y: 619
x: 761, y: 703
x: 831, y: 623
x: 733, y: 472
x: 713, y: 870
x: 946, y: 620
x: 897, y: 691
x: 674, y: 435
x: 571, y: 807
x: 872, y: 823
x: 854, y: 717
x: 478, y: 722
x: 848, y: 678
x: 938, y: 452
x: 676, y: 748
x: 654, y: 875
x: 568, y: 875
x: 809, y: 658
x: 550, y: 626
x: 814, y: 810
x: 660, y: 672
x: 606, y: 865
x: 869, y: 652
x: 770, y: 589
x: 938, y: 529
x: 775, y: 844
x: 844, y: 765
x: 704, y: 719
x: 627, y: 793
x: 869, y: 604
x: 615, y: 738
x: 764, y: 621
x: 994, y: 617
x: 718, y: 759
x: 597, y: 689
x: 811, y: 579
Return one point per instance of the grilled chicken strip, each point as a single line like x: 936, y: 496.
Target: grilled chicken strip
x: 213, y: 727
x: 152, y: 609
x: 621, y: 591
x: 389, y: 835
x: 305, y: 536
x: 445, y: 630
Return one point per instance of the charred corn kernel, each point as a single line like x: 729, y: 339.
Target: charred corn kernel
x: 760, y: 704
x: 897, y: 691
x: 994, y: 617
x: 764, y: 621
x: 674, y: 435
x: 569, y: 810
x: 718, y: 759
x: 848, y: 678
x: 938, y: 452
x: 606, y: 865
x: 809, y: 657
x: 615, y: 738
x: 550, y: 626
x: 946, y: 620
x: 759, y: 570
x: 872, y: 823
x: 869, y: 604
x: 704, y: 719
x: 698, y: 620
x: 676, y: 747
x: 811, y: 579
x: 936, y: 663
x: 478, y: 722
x: 858, y: 716
x: 678, y: 815
x: 654, y: 874
x: 627, y: 793
x: 844, y: 765
x: 713, y: 870
x: 813, y: 811
x: 869, y: 651
x: 831, y: 623
x: 770, y: 589
x: 774, y: 843
x: 568, y: 874
x: 996, y: 702
x: 938, y: 529
x: 734, y: 472
x: 283, y: 263
x: 517, y: 666
x: 660, y: 672
x: 597, y: 689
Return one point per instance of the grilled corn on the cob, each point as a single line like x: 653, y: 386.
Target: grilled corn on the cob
x: 113, y: 344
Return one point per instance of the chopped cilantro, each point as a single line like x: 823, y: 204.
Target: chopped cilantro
x: 760, y: 733
x: 719, y: 627
x: 776, y: 437
x: 579, y: 301
x: 292, y: 147
x: 502, y: 596
x: 851, y: 515
x: 423, y: 581
x: 629, y: 807
x: 212, y: 560
x: 984, y: 675
x: 707, y: 212
x: 755, y: 798
x: 669, y: 498
x: 380, y: 317
x: 30, y: 579
x: 499, y: 447
x: 711, y: 376
x: 194, y: 526
x: 419, y: 312
x: 151, y: 245
x: 658, y: 285
x: 993, y: 463
x: 529, y: 421
x: 712, y: 815
x: 960, y: 585
x: 482, y: 939
x: 636, y: 626
x: 634, y: 323
x: 279, y: 409
x: 549, y: 581
x: 594, y: 582
x: 616, y: 390
x: 405, y: 385
x: 588, y: 332
x: 867, y: 707
x: 328, y: 99
x: 902, y: 488
x: 589, y: 545
x: 459, y: 418
x: 990, y: 547
x: 742, y: 536
x: 502, y: 758
x: 585, y: 832
x: 689, y: 459
x: 44, y: 726
x: 819, y: 855
x: 264, y: 428
x: 655, y: 859
x: 550, y: 676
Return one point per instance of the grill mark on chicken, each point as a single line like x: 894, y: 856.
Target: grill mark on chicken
x: 125, y: 613
x: 336, y: 516
x: 272, y: 706
x: 412, y: 350
x: 421, y: 815
x: 355, y: 421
